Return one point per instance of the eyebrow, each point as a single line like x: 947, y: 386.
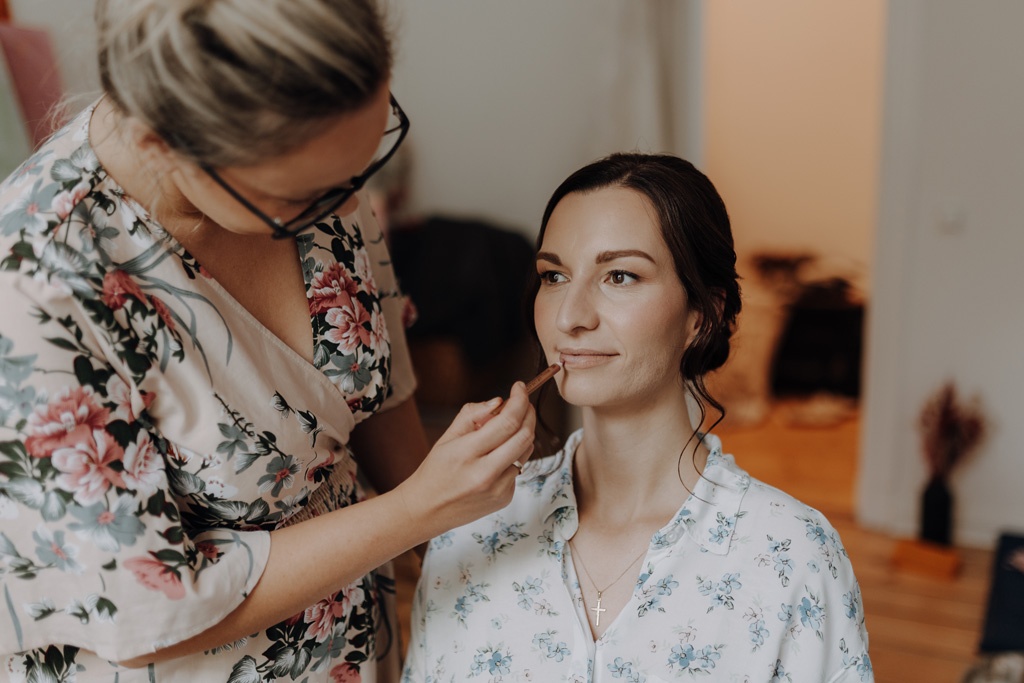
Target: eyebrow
x: 603, y: 257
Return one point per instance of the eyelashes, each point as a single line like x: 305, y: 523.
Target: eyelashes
x: 551, y: 277
x: 622, y: 277
x: 618, y: 278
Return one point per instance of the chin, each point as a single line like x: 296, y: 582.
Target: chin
x: 588, y: 394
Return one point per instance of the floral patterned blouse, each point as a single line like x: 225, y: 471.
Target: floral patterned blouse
x: 153, y: 433
x: 745, y: 584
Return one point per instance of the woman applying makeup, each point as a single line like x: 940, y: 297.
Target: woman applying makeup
x: 202, y: 361
x: 641, y: 551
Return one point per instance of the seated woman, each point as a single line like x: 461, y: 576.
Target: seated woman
x: 641, y: 551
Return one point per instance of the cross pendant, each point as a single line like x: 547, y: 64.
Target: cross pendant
x: 597, y: 610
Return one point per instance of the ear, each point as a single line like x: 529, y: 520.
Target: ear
x: 695, y: 318
x: 152, y: 148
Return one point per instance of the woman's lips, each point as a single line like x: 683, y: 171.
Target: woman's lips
x: 580, y: 360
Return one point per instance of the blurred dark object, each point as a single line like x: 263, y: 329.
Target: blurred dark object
x: 1005, y: 667
x: 937, y: 512
x: 821, y: 342
x: 467, y: 279
x: 1004, y: 616
x: 950, y: 431
x: 781, y: 270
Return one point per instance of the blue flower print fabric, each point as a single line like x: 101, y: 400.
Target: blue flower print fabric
x: 745, y: 583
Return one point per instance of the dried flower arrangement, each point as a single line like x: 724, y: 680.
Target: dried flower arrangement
x: 950, y: 430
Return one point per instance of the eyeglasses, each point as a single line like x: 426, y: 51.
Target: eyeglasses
x: 396, y: 130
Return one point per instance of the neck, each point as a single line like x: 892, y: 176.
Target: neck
x: 629, y: 463
x: 137, y: 173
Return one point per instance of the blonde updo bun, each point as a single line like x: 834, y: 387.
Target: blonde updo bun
x: 234, y: 82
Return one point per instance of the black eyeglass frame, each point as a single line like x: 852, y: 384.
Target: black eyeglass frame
x: 326, y: 203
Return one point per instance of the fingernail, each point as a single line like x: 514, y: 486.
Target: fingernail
x: 493, y: 403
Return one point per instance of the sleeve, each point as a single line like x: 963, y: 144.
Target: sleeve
x: 843, y: 629
x: 393, y: 302
x: 92, y: 550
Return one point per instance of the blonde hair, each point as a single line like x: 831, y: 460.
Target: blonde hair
x: 234, y: 82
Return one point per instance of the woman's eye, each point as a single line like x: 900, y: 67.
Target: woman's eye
x: 621, y: 277
x: 551, y: 277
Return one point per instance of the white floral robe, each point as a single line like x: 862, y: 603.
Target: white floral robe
x: 745, y: 584
x: 152, y: 433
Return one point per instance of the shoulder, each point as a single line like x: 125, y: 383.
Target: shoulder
x: 773, y: 525
x: 61, y: 213
x: 795, y: 540
x: 764, y: 508
x: 44, y: 189
x: 770, y: 509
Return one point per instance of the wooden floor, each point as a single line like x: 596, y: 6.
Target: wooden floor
x: 921, y: 629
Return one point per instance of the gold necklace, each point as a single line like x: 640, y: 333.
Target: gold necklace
x: 597, y: 610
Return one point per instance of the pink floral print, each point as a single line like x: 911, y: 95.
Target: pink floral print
x: 345, y: 673
x: 64, y: 202
x: 86, y: 467
x: 155, y: 575
x: 331, y: 288
x: 67, y: 420
x: 348, y: 327
x: 150, y: 438
x: 143, y: 466
x: 117, y: 287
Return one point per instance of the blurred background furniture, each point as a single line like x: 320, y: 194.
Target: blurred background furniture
x: 1004, y: 616
x: 468, y: 280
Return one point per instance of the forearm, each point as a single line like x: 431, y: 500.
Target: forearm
x: 318, y: 557
x: 310, y: 561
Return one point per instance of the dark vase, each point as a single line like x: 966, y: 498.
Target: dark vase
x: 937, y: 512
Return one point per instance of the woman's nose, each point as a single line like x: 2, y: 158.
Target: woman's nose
x: 577, y: 311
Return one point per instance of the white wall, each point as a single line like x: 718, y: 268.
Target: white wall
x: 71, y: 27
x: 508, y: 98
x: 948, y: 278
x: 792, y: 112
x: 505, y: 98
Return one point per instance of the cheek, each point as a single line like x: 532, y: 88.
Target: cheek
x: 214, y: 203
x: 350, y: 206
x: 544, y: 312
x: 660, y: 330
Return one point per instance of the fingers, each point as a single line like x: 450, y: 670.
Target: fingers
x: 488, y: 427
x: 482, y: 458
x: 518, y: 448
x: 504, y: 438
x: 470, y: 418
x: 512, y: 428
